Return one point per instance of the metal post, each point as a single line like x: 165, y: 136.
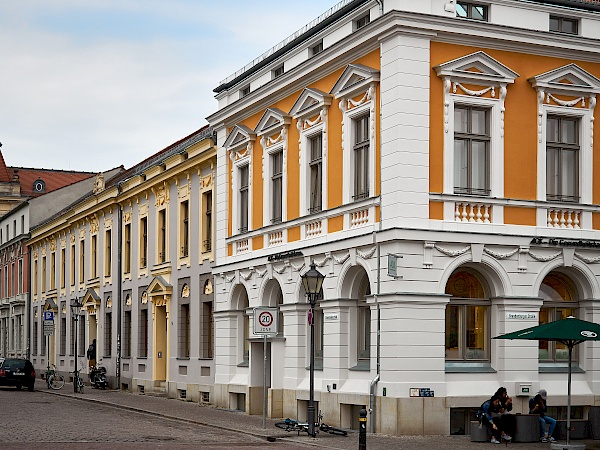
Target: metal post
x: 48, y: 353
x: 311, y: 401
x: 569, y: 395
x: 265, y: 381
x: 362, y: 431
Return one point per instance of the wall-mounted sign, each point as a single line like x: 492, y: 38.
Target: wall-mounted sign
x: 284, y: 255
x: 564, y: 242
x: 393, y: 265
x: 522, y: 315
x: 331, y: 317
x: 421, y: 392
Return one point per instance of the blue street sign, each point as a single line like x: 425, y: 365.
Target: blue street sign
x: 49, y: 315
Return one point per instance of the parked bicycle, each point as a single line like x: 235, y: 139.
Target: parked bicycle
x: 294, y: 425
x: 78, y: 380
x: 54, y: 380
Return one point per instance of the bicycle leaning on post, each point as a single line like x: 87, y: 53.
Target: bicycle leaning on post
x: 294, y: 425
x: 78, y: 380
x: 54, y: 380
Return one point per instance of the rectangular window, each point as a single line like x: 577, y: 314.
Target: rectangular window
x: 361, y: 157
x: 564, y: 25
x: 316, y: 175
x: 184, y: 228
x: 94, y: 261
x: 81, y: 262
x: 469, y: 10
x: 278, y: 72
x: 35, y: 278
x: 143, y: 242
x: 562, y: 159
x: 467, y: 331
x: 72, y: 268
x: 22, y: 224
x: 35, y: 339
x: 207, y: 344
x: 43, y: 276
x: 244, y: 178
x: 362, y: 21
x: 127, y: 334
x: 127, y: 248
x: 207, y: 222
x: 244, y: 91
x: 143, y: 334
x: 107, y: 253
x: 63, y: 267
x: 108, y: 335
x: 81, y: 336
x: 364, y: 332
x: 53, y: 270
x: 184, y: 331
x: 63, y: 335
x: 277, y: 186
x: 471, y: 150
x: 162, y: 235
x: 20, y: 277
x: 316, y: 49
x: 318, y: 324
x: 73, y: 331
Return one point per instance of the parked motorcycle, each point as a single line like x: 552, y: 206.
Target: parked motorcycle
x: 98, y: 377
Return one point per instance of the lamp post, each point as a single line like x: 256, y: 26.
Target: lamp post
x: 76, y: 306
x: 312, y: 281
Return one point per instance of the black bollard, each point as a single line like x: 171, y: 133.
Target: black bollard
x: 362, y: 431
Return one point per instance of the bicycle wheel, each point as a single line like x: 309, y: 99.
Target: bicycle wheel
x: 56, y: 382
x: 337, y: 431
x: 285, y: 425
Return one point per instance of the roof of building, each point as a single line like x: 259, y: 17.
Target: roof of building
x: 52, y: 179
x: 333, y: 14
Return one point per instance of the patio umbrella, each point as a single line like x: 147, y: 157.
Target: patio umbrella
x: 570, y: 332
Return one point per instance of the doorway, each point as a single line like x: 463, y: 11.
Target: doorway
x: 160, y: 343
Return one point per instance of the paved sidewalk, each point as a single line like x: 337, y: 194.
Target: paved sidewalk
x: 229, y: 420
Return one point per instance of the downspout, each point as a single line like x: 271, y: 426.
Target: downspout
x: 119, y: 284
x: 28, y: 305
x: 375, y: 380
x: 380, y: 2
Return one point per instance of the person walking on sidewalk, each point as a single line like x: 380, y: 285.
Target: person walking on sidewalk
x: 537, y: 405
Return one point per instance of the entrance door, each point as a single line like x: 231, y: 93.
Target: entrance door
x: 160, y: 343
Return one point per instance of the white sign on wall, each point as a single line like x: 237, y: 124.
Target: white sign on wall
x: 511, y: 315
x: 265, y: 321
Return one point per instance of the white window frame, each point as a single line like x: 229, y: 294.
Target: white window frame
x: 493, y: 77
x: 239, y: 144
x: 356, y: 90
x: 582, y: 91
x: 311, y: 111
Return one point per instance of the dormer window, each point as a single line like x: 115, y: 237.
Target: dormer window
x: 278, y: 72
x: 469, y: 10
x: 362, y: 22
x: 39, y: 185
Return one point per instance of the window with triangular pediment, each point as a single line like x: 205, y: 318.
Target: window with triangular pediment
x: 311, y: 112
x: 356, y: 90
x: 566, y: 102
x: 475, y: 87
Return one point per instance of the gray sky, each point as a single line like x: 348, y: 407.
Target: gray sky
x: 93, y: 84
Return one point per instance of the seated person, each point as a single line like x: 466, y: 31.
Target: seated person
x: 487, y: 408
x: 537, y: 405
x: 508, y: 421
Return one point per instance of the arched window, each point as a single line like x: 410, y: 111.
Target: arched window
x: 560, y: 301
x: 467, y: 317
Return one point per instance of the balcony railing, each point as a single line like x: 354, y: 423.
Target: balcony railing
x: 564, y: 218
x: 473, y: 212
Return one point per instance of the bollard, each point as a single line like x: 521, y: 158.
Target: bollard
x: 362, y: 433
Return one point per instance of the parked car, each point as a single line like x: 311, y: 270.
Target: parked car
x: 17, y: 372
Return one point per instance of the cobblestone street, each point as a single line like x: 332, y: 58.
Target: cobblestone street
x: 111, y: 419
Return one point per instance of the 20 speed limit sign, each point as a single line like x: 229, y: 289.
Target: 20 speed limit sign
x: 265, y: 321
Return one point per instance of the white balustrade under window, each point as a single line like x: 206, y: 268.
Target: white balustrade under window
x: 472, y: 212
x: 275, y: 238
x: 359, y: 218
x: 314, y: 228
x: 241, y: 246
x: 564, y: 218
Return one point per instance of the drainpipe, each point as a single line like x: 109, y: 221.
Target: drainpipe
x: 380, y: 2
x: 28, y: 304
x: 376, y: 379
x: 119, y: 284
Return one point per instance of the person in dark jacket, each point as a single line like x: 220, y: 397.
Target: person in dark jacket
x: 485, y: 414
x: 508, y: 421
x: 537, y: 405
x: 91, y: 353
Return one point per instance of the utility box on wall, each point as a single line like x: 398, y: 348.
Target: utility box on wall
x: 524, y: 389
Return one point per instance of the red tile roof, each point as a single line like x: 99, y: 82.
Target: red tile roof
x: 53, y: 179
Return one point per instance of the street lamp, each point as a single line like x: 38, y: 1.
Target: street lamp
x: 76, y: 306
x: 312, y: 281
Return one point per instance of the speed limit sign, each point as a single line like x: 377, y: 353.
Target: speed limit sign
x: 265, y: 321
